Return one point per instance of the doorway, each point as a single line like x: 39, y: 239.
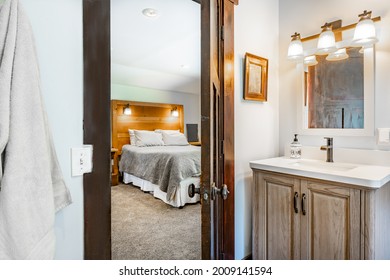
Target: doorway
x: 155, y: 74
x: 97, y: 74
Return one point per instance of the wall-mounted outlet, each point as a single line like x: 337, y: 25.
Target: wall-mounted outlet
x: 383, y: 136
x: 82, y: 160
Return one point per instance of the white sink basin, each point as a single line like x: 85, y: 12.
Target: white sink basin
x: 371, y: 176
x: 320, y: 165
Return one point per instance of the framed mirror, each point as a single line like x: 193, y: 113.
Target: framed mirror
x: 337, y: 97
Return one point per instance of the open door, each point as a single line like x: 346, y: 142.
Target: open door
x: 217, y: 102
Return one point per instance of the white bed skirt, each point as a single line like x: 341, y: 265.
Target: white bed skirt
x: 181, y: 196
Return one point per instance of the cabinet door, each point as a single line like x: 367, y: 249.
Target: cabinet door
x: 275, y: 222
x: 330, y: 230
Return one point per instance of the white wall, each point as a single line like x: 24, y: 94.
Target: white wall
x: 256, y: 30
x: 57, y: 27
x: 191, y: 102
x: 306, y: 17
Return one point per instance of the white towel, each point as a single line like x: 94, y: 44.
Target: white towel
x: 31, y: 182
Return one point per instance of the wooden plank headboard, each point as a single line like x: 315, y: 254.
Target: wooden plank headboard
x: 144, y: 116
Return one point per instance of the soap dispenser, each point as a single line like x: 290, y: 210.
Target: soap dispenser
x: 295, y: 148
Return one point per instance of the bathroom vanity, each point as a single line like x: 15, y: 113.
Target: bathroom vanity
x: 311, y: 209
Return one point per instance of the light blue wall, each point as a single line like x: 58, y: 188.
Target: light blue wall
x: 191, y: 102
x: 57, y: 27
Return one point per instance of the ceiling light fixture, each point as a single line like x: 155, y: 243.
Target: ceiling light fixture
x: 150, y: 12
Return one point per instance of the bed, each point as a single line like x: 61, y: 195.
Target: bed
x: 166, y: 171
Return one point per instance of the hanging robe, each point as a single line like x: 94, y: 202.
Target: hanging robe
x: 32, y: 188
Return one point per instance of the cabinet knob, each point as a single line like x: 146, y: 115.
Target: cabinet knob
x: 303, y: 204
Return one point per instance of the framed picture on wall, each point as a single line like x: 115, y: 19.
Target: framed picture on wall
x: 256, y: 76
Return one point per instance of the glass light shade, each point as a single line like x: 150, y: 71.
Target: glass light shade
x: 175, y: 113
x: 338, y: 55
x: 365, y: 33
x: 310, y: 60
x: 127, y: 111
x: 295, y: 49
x: 326, y: 43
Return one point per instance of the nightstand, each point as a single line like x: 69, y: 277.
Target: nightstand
x: 114, y: 167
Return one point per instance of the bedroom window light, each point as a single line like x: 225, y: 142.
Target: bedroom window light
x: 175, y: 112
x: 127, y: 110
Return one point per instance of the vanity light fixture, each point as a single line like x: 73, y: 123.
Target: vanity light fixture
x: 340, y: 54
x: 310, y: 60
x: 175, y: 112
x: 364, y: 36
x: 127, y: 110
x: 365, y: 33
x: 295, y: 49
x: 326, y: 42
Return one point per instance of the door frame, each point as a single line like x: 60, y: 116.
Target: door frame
x: 97, y: 132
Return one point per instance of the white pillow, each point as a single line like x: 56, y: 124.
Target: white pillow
x: 148, y: 138
x: 132, y: 137
x: 175, y: 139
x: 167, y: 131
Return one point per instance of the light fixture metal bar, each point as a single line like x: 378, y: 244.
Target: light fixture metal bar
x: 337, y: 30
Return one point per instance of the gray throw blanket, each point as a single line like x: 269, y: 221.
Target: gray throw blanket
x: 32, y: 188
x: 165, y: 166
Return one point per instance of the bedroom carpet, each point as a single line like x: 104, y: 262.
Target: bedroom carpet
x: 145, y: 228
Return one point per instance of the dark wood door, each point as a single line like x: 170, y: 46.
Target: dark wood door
x: 217, y: 101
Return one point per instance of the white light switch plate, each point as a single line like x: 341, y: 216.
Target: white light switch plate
x: 383, y: 136
x: 82, y: 160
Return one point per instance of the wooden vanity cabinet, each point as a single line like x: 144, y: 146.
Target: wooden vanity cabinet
x: 276, y: 226
x: 301, y: 218
x: 330, y: 228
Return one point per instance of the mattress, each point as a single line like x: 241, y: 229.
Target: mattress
x: 167, y: 171
x: 180, y: 197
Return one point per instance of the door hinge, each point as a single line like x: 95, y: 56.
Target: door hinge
x: 222, y: 33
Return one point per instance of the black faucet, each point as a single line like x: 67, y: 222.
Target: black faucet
x: 328, y: 148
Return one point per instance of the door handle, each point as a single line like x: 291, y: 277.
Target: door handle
x: 296, y: 202
x: 303, y: 204
x: 192, y: 190
x: 222, y: 191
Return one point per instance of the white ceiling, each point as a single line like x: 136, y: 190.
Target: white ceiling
x: 160, y: 53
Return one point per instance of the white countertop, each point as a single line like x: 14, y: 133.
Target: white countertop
x: 371, y: 176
